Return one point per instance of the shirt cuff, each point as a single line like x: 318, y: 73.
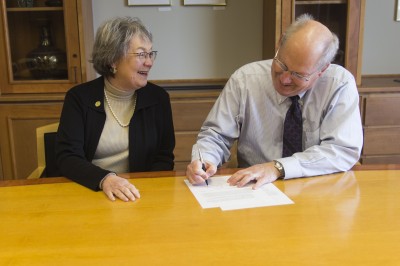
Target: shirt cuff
x: 292, y: 167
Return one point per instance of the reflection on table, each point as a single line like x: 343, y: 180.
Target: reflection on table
x: 340, y: 219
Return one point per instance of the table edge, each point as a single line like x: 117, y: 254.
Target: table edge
x: 222, y: 171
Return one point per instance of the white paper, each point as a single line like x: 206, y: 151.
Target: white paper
x: 219, y: 193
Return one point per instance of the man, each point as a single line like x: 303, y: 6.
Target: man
x: 253, y: 107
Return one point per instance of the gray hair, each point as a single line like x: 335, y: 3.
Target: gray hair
x: 112, y: 42
x: 331, y: 45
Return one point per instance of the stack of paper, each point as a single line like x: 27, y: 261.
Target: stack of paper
x: 219, y: 193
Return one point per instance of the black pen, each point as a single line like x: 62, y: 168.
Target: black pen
x: 203, y: 165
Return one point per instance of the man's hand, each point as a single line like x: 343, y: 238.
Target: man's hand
x: 261, y: 173
x: 196, y: 175
x: 117, y: 186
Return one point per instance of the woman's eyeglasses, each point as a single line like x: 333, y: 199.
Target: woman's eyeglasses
x: 142, y: 56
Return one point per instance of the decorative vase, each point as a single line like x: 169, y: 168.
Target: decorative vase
x: 47, y: 61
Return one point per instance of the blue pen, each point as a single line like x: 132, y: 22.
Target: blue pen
x: 203, y: 165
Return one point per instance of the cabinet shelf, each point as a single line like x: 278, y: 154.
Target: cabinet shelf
x: 311, y: 2
x: 30, y: 9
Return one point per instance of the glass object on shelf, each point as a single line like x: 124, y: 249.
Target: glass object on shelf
x: 25, y: 3
x: 47, y: 61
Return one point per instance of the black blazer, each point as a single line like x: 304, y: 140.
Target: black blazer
x: 151, y: 132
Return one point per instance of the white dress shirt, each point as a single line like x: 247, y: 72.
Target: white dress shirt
x: 250, y: 111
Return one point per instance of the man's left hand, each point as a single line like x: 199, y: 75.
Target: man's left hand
x: 261, y: 173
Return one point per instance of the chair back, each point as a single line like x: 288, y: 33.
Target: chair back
x: 45, y: 149
x: 51, y: 169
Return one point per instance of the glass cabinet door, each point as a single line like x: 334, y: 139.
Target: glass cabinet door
x: 343, y: 17
x: 332, y: 14
x: 40, y: 54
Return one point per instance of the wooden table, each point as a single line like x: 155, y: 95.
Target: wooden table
x: 350, y: 218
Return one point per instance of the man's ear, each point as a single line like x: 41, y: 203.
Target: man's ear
x: 279, y: 44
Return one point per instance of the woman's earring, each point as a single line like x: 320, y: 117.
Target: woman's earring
x: 113, y: 69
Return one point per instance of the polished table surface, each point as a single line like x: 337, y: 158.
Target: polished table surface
x: 350, y: 218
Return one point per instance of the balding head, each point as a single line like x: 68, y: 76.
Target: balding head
x: 310, y: 40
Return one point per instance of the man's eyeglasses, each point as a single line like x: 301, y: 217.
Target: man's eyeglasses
x: 142, y: 56
x: 294, y: 74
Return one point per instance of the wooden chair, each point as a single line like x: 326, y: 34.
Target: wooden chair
x: 45, y: 141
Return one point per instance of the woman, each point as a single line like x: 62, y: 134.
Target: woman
x: 118, y: 122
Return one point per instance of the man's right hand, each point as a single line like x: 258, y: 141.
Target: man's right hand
x: 196, y: 175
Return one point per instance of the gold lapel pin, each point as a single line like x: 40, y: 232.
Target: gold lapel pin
x: 97, y: 104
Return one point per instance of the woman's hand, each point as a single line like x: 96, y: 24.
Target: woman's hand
x: 115, y: 186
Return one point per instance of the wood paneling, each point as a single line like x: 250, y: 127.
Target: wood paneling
x: 1, y: 167
x: 18, y: 123
x: 189, y: 109
x: 394, y: 159
x: 183, y: 148
x: 19, y: 118
x: 381, y: 120
x: 381, y: 141
x: 382, y: 110
x: 189, y: 115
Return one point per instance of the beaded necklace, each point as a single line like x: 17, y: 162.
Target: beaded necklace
x: 112, y: 111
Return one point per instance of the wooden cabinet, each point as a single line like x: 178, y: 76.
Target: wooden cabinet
x: 21, y: 115
x: 18, y: 122
x: 189, y: 110
x: 343, y: 17
x: 30, y: 99
x: 44, y: 51
x: 44, y: 45
x: 380, y: 101
x: 379, y: 96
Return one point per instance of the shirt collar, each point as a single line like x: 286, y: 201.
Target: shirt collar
x: 281, y: 98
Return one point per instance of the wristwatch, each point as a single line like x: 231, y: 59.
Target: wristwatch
x: 280, y: 169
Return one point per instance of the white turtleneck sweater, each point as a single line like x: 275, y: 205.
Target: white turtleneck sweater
x: 113, y: 148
